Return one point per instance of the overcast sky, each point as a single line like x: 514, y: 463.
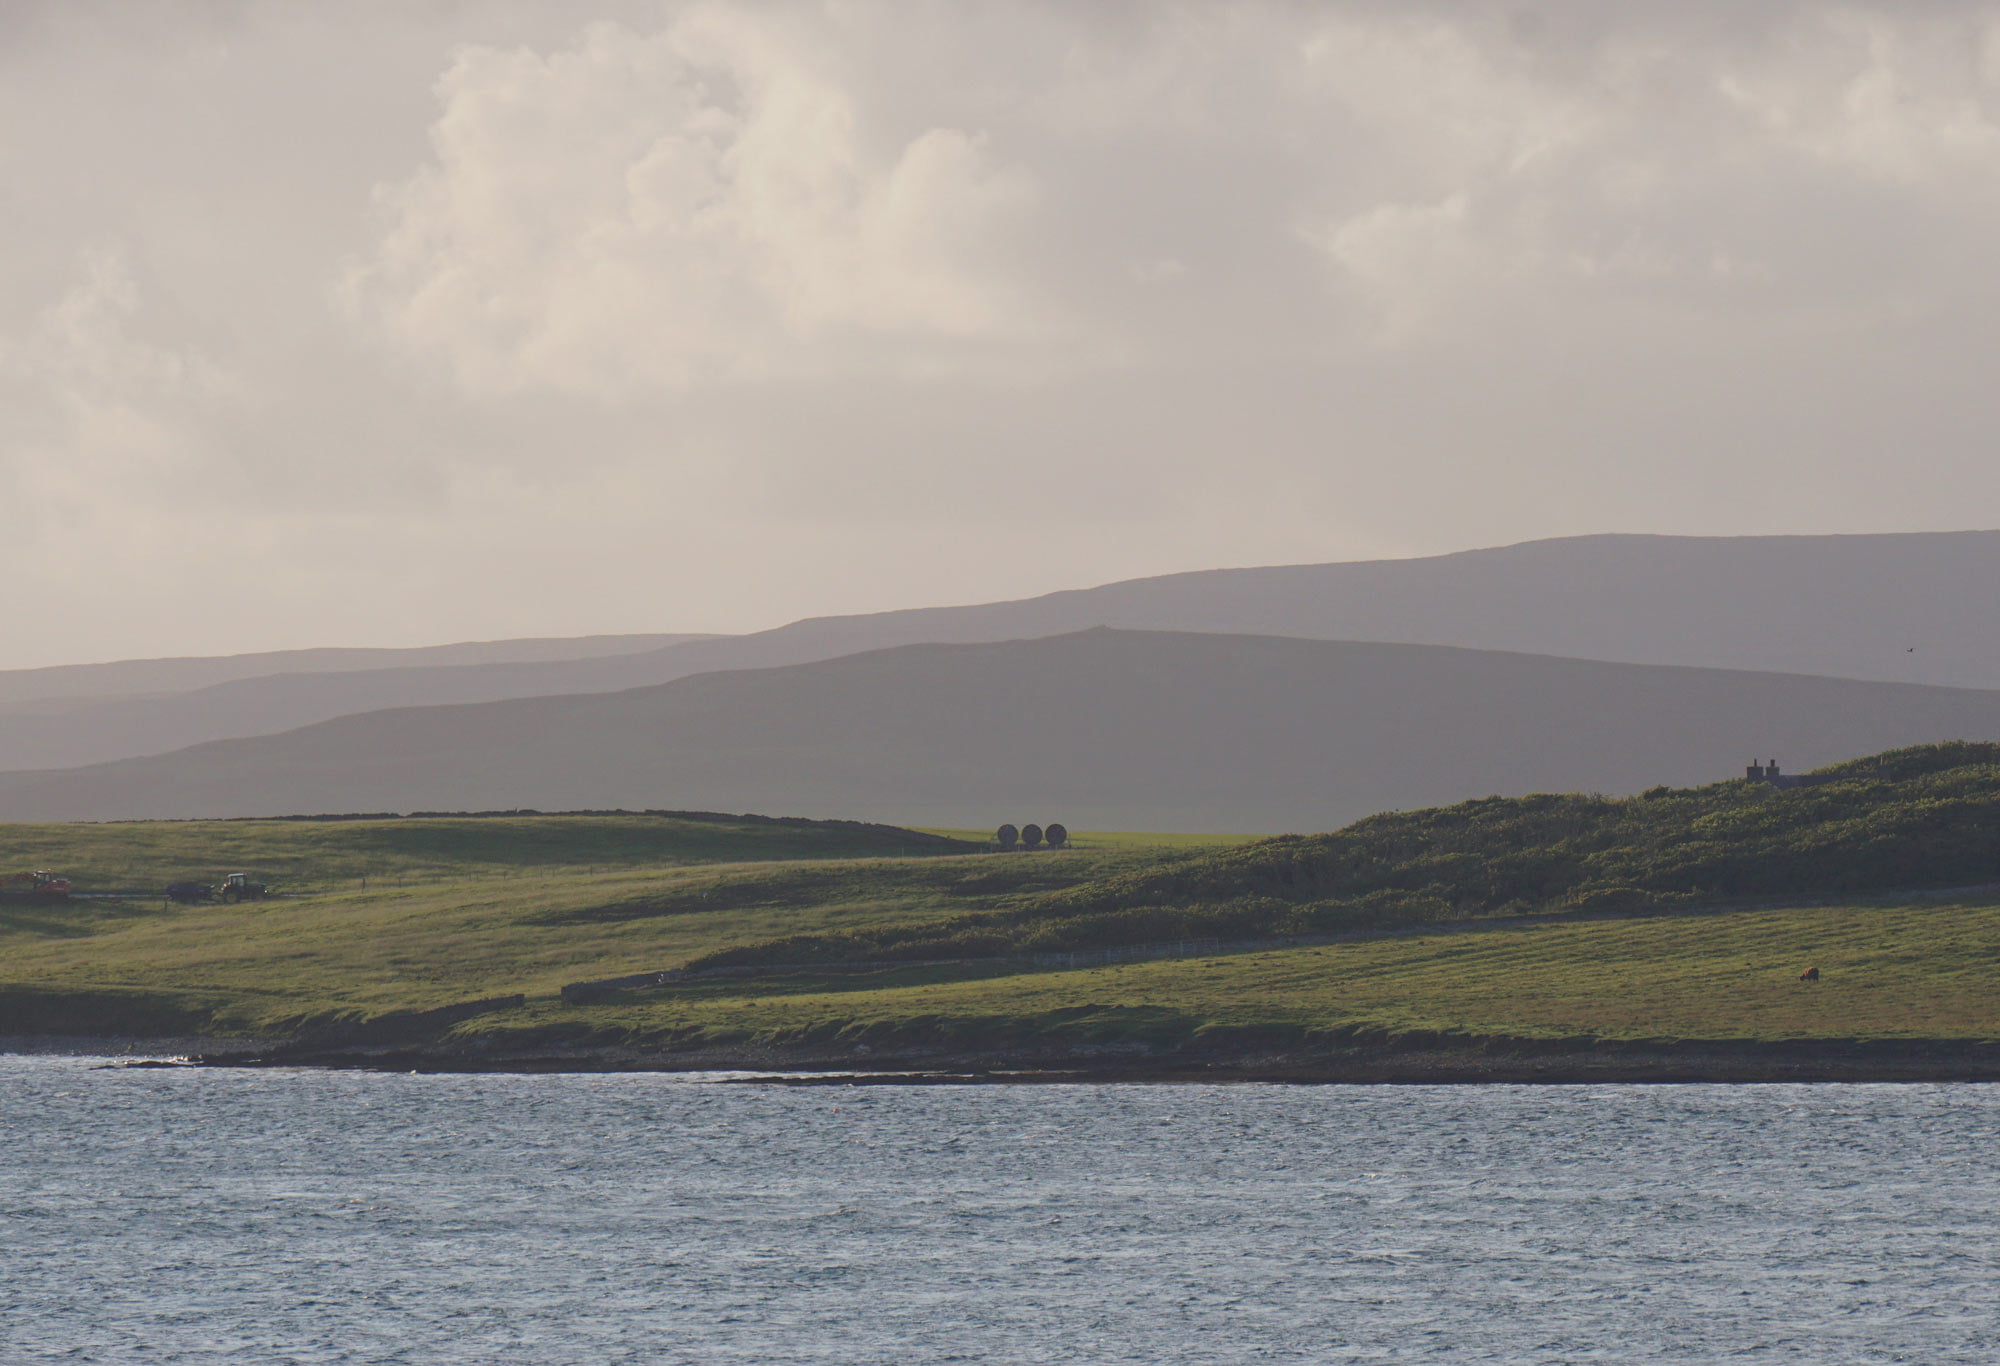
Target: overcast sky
x: 394, y: 323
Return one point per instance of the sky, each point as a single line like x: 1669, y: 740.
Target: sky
x: 390, y: 322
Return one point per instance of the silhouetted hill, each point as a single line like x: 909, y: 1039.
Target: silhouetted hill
x: 1100, y: 729
x: 63, y: 733
x: 1917, y: 608
x: 90, y: 713
x: 1912, y: 608
x: 134, y: 677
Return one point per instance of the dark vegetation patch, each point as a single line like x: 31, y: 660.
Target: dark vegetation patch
x: 318, y: 853
x: 31, y: 1009
x: 982, y: 883
x: 1924, y: 817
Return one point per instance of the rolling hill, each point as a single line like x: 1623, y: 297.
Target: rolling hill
x: 1911, y: 608
x: 1913, y: 820
x: 1556, y: 938
x: 1100, y: 729
x: 135, y: 677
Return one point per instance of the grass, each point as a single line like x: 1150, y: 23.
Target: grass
x: 1924, y: 970
x: 461, y: 913
x: 457, y: 909
x: 1911, y: 971
x: 1921, y: 817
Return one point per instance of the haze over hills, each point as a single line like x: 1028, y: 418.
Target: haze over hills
x: 1918, y: 607
x: 63, y: 733
x: 1099, y: 729
x: 136, y: 677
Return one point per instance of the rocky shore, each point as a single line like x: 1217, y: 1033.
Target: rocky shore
x: 187, y: 1046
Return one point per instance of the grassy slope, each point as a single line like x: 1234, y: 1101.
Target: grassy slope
x: 502, y: 905
x: 440, y: 931
x: 1924, y: 971
x: 1915, y: 818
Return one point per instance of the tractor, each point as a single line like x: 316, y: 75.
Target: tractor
x: 241, y: 887
x: 40, y: 885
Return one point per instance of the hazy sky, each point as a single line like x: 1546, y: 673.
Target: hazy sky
x: 391, y: 323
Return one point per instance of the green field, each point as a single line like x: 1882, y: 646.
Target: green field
x: 1921, y: 971
x: 454, y: 908
x: 457, y: 909
x: 1491, y: 919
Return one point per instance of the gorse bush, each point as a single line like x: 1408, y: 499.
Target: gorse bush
x: 1914, y: 818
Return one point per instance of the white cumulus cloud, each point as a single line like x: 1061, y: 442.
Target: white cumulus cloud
x: 700, y: 203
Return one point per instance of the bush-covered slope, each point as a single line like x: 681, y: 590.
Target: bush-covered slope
x: 1909, y: 819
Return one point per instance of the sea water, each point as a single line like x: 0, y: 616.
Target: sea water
x: 296, y: 1216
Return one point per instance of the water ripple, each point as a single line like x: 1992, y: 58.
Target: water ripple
x: 195, y: 1216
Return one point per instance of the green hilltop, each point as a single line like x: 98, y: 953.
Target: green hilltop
x: 1912, y: 819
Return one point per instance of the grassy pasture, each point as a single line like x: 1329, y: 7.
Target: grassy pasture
x: 454, y: 911
x: 1927, y: 970
x: 458, y: 909
x: 1912, y: 971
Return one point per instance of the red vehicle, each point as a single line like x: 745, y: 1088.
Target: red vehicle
x: 40, y: 885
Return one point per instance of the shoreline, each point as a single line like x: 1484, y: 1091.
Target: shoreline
x: 113, y: 1046
x: 1475, y: 1063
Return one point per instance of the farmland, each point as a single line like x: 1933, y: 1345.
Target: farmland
x: 387, y: 915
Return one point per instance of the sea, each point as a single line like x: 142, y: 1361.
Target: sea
x: 204, y: 1215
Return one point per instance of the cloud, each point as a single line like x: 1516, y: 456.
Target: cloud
x: 92, y: 406
x: 1909, y: 97
x: 748, y: 194
x: 520, y: 317
x: 702, y: 203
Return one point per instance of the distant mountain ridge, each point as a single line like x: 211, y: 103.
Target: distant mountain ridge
x: 1919, y: 607
x: 1099, y: 729
x: 138, y: 677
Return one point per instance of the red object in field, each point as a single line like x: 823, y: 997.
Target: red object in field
x: 40, y: 885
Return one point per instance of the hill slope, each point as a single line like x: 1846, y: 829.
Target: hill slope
x: 456, y: 951
x: 1101, y: 729
x: 1914, y: 608
x: 1917, y: 608
x: 66, y: 732
x: 1914, y: 819
x: 134, y: 677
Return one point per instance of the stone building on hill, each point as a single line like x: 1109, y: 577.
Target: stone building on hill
x: 1768, y: 773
